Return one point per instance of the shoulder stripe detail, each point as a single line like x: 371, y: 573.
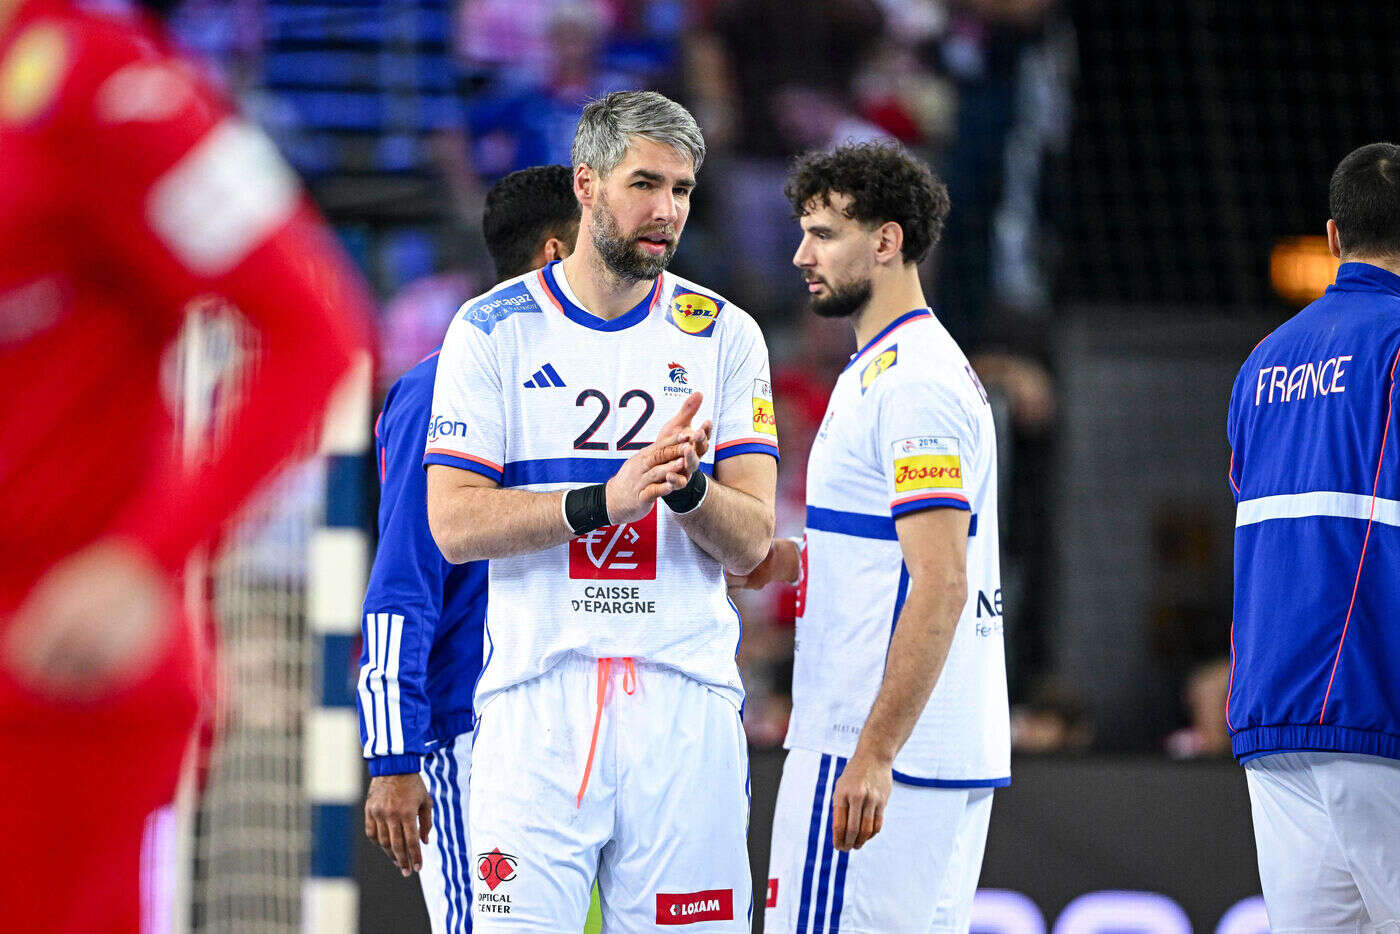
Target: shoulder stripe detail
x: 447, y: 458
x: 747, y: 446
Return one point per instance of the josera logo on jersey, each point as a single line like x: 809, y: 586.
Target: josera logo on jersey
x: 926, y: 472
x: 694, y: 313
x: 694, y: 907
x: 765, y: 420
x: 926, y: 463
x: 882, y: 362
x: 616, y: 552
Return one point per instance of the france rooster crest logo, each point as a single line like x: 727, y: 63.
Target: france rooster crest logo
x: 678, y: 374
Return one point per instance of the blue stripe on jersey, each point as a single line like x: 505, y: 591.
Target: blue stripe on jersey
x: 858, y: 524
x: 932, y: 502
x: 750, y: 447
x: 904, y: 779
x: 447, y: 460
x: 813, y: 838
x: 567, y: 470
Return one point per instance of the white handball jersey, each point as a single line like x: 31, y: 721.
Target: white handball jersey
x: 538, y: 394
x: 907, y: 428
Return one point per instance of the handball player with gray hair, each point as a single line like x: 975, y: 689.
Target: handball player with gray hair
x: 602, y: 431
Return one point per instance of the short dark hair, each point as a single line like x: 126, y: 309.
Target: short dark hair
x: 525, y: 209
x: 884, y: 184
x: 1364, y: 199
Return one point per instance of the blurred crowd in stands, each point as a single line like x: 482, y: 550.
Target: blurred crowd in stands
x: 982, y: 89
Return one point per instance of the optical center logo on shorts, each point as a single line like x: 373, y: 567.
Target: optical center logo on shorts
x: 495, y: 868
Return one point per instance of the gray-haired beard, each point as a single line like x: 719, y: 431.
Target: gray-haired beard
x: 842, y: 302
x: 622, y: 255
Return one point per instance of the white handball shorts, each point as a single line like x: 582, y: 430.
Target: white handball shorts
x: 631, y: 773
x: 917, y: 875
x: 1327, y: 827
x: 448, y: 866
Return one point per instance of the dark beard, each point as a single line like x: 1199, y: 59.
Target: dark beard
x: 842, y: 302
x: 621, y: 254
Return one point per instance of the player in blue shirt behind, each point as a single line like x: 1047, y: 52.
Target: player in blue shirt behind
x: 1314, y: 701
x: 423, y: 617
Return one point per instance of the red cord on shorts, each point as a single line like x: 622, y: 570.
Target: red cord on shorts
x: 629, y: 686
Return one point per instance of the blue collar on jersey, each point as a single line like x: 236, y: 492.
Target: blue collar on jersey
x: 1363, y: 277
x: 885, y: 332
x: 574, y: 313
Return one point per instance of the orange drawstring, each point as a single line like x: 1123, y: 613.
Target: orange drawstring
x: 629, y: 686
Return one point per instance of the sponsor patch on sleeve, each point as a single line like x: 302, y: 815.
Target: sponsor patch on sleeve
x: 764, y: 419
x: 927, y: 464
x: 882, y: 362
x: 694, y: 313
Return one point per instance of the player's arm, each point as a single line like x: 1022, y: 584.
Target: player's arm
x: 402, y: 609
x: 934, y: 542
x: 734, y: 522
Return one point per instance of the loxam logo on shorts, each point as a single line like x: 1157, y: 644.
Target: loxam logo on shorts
x: 694, y: 907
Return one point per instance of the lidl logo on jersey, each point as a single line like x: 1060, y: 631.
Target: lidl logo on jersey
x: 694, y: 313
x: 616, y: 552
x: 439, y: 427
x: 490, y: 310
x: 882, y: 362
x: 764, y: 419
x: 694, y: 907
x: 926, y: 464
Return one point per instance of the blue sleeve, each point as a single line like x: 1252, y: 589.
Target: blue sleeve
x: 403, y: 604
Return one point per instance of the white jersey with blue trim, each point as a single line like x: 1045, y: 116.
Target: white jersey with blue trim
x: 908, y: 427
x: 538, y: 394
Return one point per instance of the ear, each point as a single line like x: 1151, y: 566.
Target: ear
x: 1334, y: 239
x: 585, y: 184
x: 553, y: 249
x: 889, y: 242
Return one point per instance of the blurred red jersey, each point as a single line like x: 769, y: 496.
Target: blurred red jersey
x: 129, y: 187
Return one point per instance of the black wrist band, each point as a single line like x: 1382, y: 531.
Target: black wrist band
x: 586, y: 508
x: 689, y: 497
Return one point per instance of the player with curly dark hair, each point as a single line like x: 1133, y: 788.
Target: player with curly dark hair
x: 531, y: 215
x: 899, y: 681
x: 873, y: 184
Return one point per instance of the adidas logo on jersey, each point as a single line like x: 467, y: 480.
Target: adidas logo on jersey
x: 545, y: 378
